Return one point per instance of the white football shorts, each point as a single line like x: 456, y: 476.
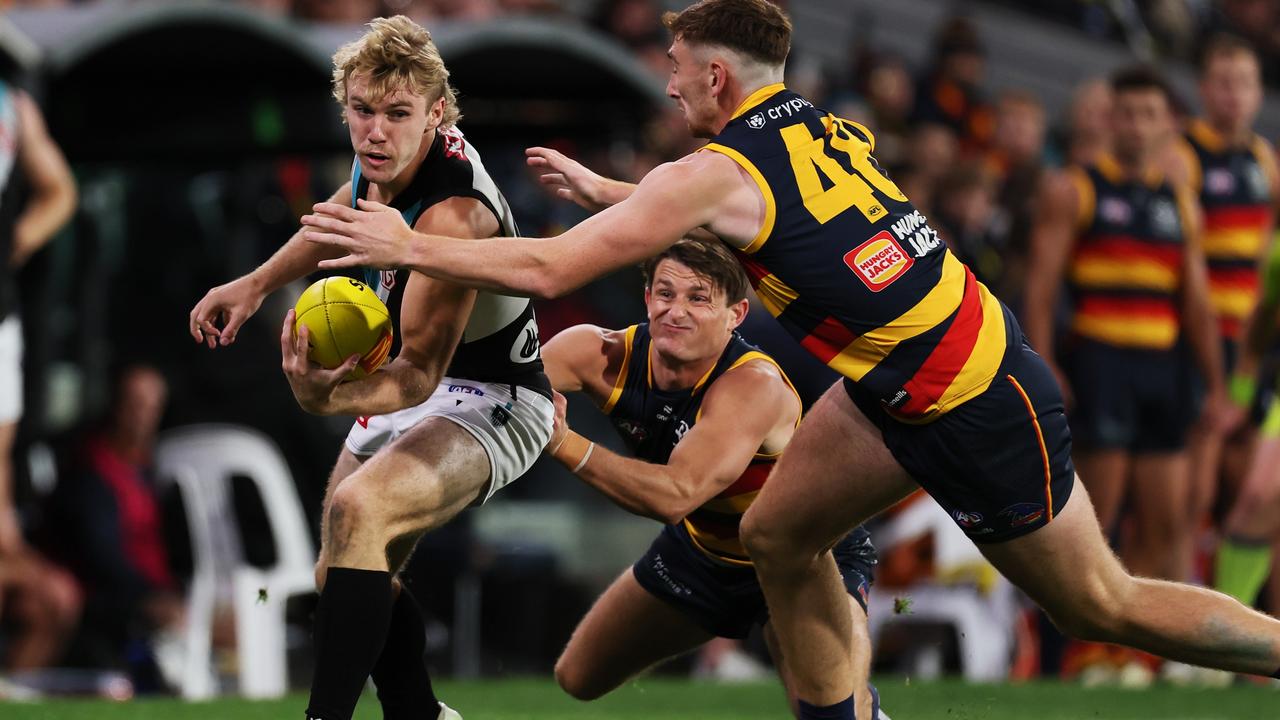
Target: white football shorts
x: 10, y: 370
x: 512, y: 427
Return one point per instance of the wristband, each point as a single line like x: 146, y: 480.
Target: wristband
x: 552, y: 452
x: 1241, y: 388
x: 586, y: 456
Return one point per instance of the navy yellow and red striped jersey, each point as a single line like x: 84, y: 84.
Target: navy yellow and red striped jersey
x: 1235, y: 187
x: 852, y: 270
x: 653, y: 421
x: 1125, y: 271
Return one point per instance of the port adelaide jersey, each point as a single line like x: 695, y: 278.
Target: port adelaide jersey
x: 500, y: 341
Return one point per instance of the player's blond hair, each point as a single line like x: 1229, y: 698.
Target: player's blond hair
x: 396, y: 53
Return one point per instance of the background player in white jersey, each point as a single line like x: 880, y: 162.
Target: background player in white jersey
x: 461, y: 411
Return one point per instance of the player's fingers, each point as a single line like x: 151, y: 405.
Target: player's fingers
x: 286, y: 336
x: 335, y: 210
x: 327, y: 238
x: 346, y: 261
x: 552, y: 179
x: 193, y: 323
x: 324, y: 222
x: 231, y: 323
x: 371, y: 205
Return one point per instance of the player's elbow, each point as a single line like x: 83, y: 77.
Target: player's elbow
x: 548, y: 285
x: 679, y: 503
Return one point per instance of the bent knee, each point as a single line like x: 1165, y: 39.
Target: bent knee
x: 1099, y: 615
x: 576, y: 681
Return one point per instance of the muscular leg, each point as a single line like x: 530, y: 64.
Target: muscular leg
x: 836, y: 474
x: 1162, y: 538
x: 347, y: 463
x: 860, y: 659
x: 627, y: 631
x: 1067, y: 568
x: 1105, y: 474
x: 414, y: 484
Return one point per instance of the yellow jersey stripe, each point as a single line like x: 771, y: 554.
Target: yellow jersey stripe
x: 622, y: 371
x: 1132, y: 273
x: 1242, y: 244
x: 864, y: 353
x: 983, y: 363
x: 1151, y: 333
x: 770, y: 205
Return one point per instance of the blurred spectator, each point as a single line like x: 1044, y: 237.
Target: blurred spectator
x: 950, y: 93
x: 637, y: 24
x: 970, y: 222
x: 1018, y: 159
x: 886, y: 84
x: 932, y: 151
x: 349, y: 12
x: 40, y: 605
x: 1089, y: 123
x: 37, y: 197
x: 107, y: 516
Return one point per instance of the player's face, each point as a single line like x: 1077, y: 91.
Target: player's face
x: 387, y: 133
x: 689, y: 318
x: 1141, y: 121
x: 1232, y: 90
x: 690, y: 86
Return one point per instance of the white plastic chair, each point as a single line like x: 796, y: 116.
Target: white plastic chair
x: 984, y: 621
x: 201, y: 460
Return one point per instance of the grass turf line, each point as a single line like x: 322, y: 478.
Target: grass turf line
x: 540, y: 699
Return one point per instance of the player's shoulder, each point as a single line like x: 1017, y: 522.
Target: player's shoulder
x: 755, y: 375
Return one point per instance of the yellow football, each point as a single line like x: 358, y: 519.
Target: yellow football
x: 344, y: 317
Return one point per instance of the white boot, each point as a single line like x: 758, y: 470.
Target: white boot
x: 448, y: 713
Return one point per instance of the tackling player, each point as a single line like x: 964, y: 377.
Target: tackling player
x: 707, y: 415
x: 461, y: 411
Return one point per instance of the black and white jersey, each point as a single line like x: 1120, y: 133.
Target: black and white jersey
x: 500, y: 341
x: 8, y: 194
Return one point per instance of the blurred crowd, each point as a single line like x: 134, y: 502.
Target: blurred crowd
x: 91, y: 579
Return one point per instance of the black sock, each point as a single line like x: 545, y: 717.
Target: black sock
x: 351, y: 627
x: 842, y: 710
x: 1276, y: 674
x: 404, y: 687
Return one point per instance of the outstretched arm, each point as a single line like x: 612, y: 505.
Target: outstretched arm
x: 669, y: 202
x: 743, y: 408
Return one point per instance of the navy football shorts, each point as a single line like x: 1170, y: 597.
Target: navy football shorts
x: 726, y: 600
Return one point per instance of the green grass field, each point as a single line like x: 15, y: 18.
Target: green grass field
x: 539, y: 699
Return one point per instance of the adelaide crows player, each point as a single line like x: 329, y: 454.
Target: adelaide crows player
x: 706, y: 415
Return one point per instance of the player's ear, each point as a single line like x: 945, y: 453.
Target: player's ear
x: 719, y: 74
x: 738, y: 312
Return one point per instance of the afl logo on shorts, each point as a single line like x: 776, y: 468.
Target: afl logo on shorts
x: 878, y: 261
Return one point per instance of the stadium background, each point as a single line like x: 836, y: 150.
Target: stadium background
x: 198, y: 132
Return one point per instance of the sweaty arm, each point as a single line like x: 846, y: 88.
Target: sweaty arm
x: 742, y: 409
x: 670, y: 201
x: 1051, y: 243
x: 53, y: 189
x: 433, y: 315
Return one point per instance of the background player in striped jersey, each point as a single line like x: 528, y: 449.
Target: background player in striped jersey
x: 940, y: 391
x: 1232, y: 170
x: 462, y: 410
x: 706, y: 415
x: 1126, y: 241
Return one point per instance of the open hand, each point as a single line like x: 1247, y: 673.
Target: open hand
x: 229, y: 305
x: 373, y: 235
x: 570, y: 179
